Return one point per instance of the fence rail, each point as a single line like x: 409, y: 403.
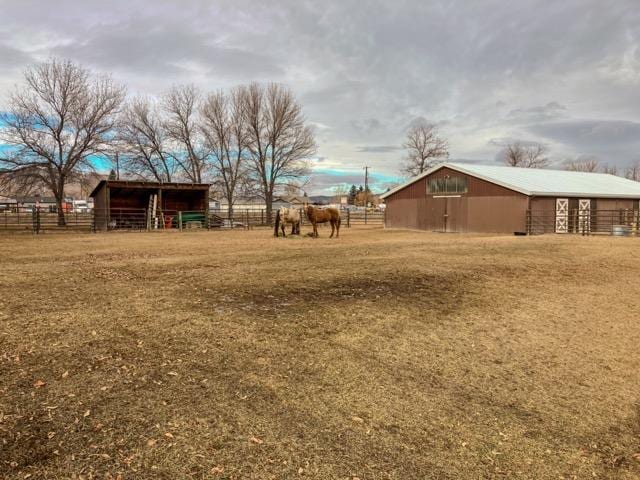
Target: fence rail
x: 41, y: 220
x: 618, y: 222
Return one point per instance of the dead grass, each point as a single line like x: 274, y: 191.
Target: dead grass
x: 382, y: 355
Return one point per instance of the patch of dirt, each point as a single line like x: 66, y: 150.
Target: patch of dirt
x: 381, y: 355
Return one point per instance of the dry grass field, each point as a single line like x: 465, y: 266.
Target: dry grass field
x: 381, y: 355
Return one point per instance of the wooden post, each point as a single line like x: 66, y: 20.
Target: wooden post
x: 348, y: 218
x: 180, y: 220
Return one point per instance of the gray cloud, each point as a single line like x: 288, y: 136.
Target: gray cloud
x: 591, y: 133
x: 563, y: 73
x: 379, y: 148
x: 550, y: 111
x: 617, y: 141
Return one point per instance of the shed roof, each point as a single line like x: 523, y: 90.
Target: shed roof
x: 145, y: 185
x: 542, y: 182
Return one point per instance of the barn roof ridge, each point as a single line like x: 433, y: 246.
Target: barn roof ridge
x: 540, y: 182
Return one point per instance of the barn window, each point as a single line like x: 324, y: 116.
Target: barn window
x: 447, y: 185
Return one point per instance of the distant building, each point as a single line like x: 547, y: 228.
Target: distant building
x: 48, y: 204
x: 255, y: 203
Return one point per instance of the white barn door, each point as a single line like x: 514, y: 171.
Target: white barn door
x: 584, y: 216
x: 562, y: 215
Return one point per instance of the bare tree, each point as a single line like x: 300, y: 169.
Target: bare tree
x: 610, y: 169
x: 20, y: 182
x: 226, y: 137
x: 633, y: 171
x: 530, y: 156
x: 294, y: 188
x: 183, y: 126
x: 279, y: 141
x: 339, y: 192
x: 60, y: 118
x: 586, y: 165
x: 425, y: 148
x: 142, y: 142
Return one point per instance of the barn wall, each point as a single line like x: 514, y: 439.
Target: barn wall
x: 476, y: 186
x: 614, y: 204
x: 402, y: 213
x: 497, y: 214
x: 100, y: 208
x: 605, y: 212
x: 485, y: 208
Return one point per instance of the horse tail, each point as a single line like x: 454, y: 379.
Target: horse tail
x: 277, y: 224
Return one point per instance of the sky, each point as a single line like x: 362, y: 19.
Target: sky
x: 562, y: 73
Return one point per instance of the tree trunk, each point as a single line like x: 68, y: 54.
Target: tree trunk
x: 60, y: 204
x: 268, y: 201
x: 58, y: 192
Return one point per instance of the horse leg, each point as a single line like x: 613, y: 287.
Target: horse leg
x: 315, y: 229
x: 284, y: 227
x: 332, y: 228
x: 338, y: 227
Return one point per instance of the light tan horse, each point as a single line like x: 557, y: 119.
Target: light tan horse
x: 286, y: 215
x: 323, y: 215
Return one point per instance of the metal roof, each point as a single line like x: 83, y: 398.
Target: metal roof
x: 542, y: 182
x: 148, y: 185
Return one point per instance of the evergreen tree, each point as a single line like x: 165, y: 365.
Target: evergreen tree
x: 353, y: 191
x: 112, y: 175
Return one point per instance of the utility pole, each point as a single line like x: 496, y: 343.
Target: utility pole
x: 366, y: 192
x: 117, y: 166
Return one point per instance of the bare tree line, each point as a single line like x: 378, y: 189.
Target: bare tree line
x: 535, y: 156
x: 631, y: 172
x: 526, y: 156
x: 251, y: 139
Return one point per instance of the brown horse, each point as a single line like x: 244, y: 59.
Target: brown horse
x: 323, y: 215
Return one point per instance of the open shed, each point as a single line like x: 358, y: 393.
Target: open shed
x: 138, y: 204
x: 456, y: 197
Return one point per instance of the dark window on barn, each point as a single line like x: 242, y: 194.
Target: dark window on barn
x: 447, y: 185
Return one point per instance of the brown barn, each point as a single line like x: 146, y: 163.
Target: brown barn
x: 454, y: 197
x: 137, y: 204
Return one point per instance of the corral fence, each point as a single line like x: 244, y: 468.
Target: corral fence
x: 622, y: 222
x: 41, y: 220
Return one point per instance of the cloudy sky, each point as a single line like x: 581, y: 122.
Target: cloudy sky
x: 564, y: 73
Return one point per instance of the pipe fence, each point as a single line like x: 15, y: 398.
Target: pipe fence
x: 624, y: 222
x: 44, y: 220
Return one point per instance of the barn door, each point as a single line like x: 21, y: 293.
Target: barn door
x: 584, y: 216
x: 562, y: 215
x: 456, y: 220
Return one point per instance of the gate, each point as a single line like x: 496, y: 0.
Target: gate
x: 562, y: 215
